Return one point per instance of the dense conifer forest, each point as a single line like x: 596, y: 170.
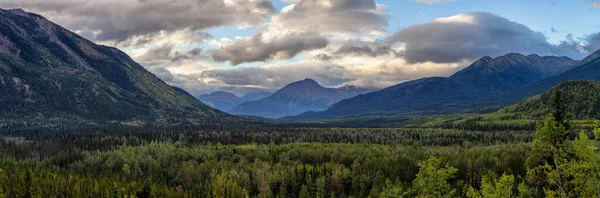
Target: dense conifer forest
x: 557, y: 158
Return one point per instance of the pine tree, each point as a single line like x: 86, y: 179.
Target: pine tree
x: 549, y: 139
x: 304, y: 192
x: 558, y: 109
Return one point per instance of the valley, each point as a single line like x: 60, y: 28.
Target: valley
x: 82, y: 119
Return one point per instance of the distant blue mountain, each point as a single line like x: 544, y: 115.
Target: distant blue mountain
x: 224, y: 101
x: 484, y: 78
x: 296, y: 98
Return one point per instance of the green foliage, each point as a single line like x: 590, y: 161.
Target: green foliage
x: 574, y: 99
x: 549, y: 139
x: 494, y: 188
x: 432, y: 179
x: 326, y: 162
x: 392, y: 190
x: 585, y: 168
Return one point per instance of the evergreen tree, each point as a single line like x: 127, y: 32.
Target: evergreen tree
x: 549, y: 141
x: 558, y: 110
x: 304, y: 193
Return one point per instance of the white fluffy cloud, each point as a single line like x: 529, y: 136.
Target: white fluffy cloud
x: 305, y: 25
x: 344, y: 42
x: 471, y: 36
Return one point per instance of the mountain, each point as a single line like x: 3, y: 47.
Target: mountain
x: 485, y: 77
x: 587, y: 69
x: 255, y: 96
x: 581, y: 100
x: 492, y: 76
x: 225, y: 101
x: 295, y: 98
x: 221, y: 100
x: 51, y: 77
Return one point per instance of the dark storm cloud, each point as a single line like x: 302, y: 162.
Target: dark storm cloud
x: 471, y: 36
x: 255, y: 49
x: 118, y: 20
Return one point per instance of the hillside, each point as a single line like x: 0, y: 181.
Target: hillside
x: 581, y: 99
x: 295, y: 98
x: 51, y: 77
x: 485, y: 77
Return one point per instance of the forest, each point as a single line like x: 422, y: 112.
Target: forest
x: 457, y: 157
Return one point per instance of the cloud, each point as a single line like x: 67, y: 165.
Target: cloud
x: 471, y: 36
x: 592, y: 42
x: 256, y: 48
x: 334, y: 16
x: 168, y: 52
x: 242, y: 80
x: 372, y: 72
x: 162, y: 73
x: 119, y: 20
x: 365, y: 50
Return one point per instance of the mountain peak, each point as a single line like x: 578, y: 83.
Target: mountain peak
x: 306, y: 83
x: 17, y: 11
x: 56, y: 62
x: 591, y: 57
x: 297, y: 97
x: 309, y: 80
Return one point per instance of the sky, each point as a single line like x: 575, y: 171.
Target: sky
x: 245, y: 46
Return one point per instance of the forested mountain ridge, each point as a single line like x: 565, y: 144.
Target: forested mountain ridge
x: 51, y: 77
x: 582, y: 99
x: 485, y: 77
x: 295, y: 98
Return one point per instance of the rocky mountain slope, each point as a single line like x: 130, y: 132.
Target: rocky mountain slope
x: 51, y: 77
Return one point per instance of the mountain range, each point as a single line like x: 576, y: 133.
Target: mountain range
x: 296, y: 98
x: 586, y: 69
x: 480, y: 85
x: 224, y: 101
x: 51, y: 77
